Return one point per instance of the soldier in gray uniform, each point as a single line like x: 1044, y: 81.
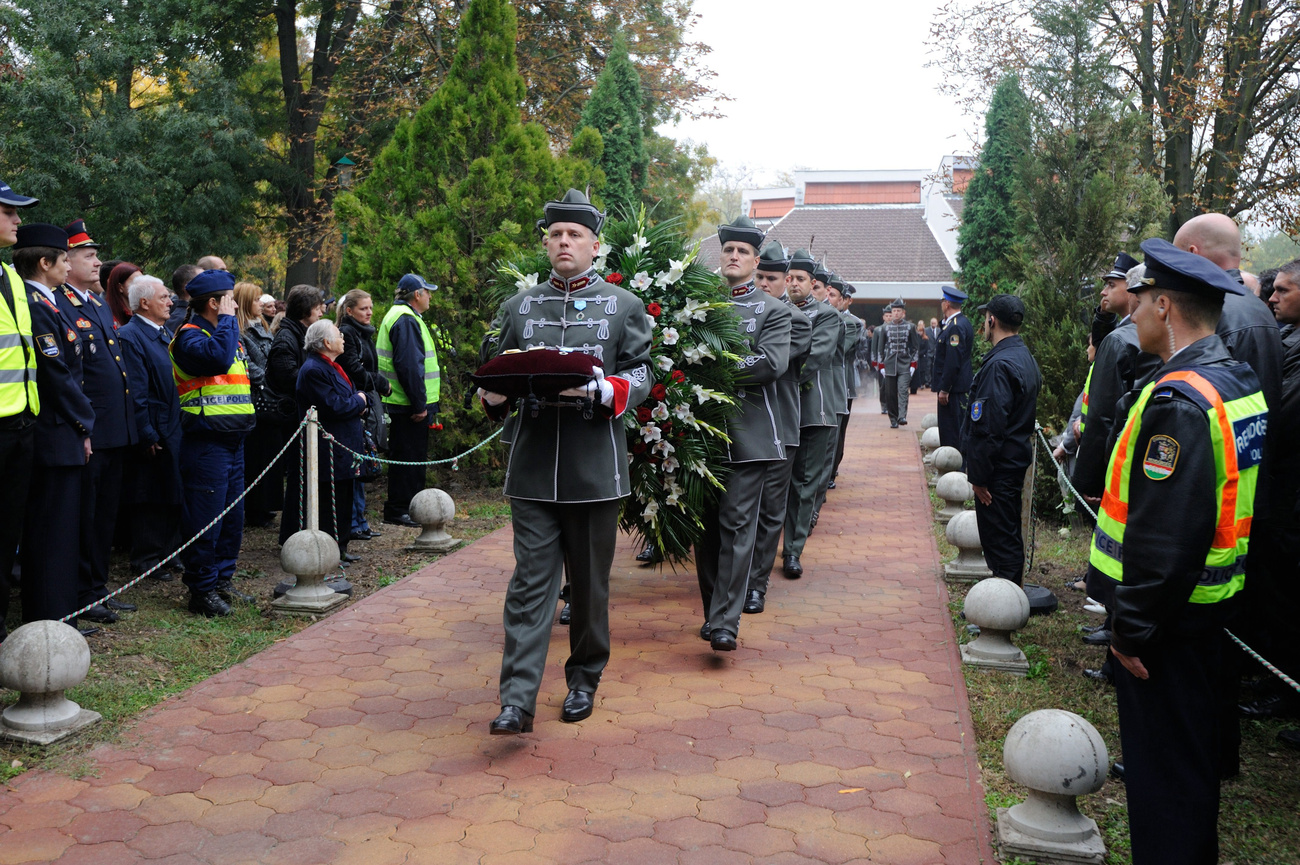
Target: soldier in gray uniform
x: 841, y: 297
x: 817, y: 420
x: 567, y: 472
x: 725, y: 553
x: 771, y: 278
x: 896, y: 349
x: 838, y: 390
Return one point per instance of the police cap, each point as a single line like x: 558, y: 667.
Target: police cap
x: 573, y: 207
x: 413, y: 282
x: 13, y: 199
x: 1123, y: 264
x: 1174, y: 269
x: 210, y: 282
x: 41, y: 234
x: 953, y: 295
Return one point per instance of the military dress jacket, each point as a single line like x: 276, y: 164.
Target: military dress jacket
x: 853, y: 330
x: 107, y: 382
x: 897, y: 346
x: 67, y: 417
x: 755, y: 431
x: 952, y: 369
x: 560, y: 456
x: 817, y: 381
x: 787, y: 386
x: 839, y: 394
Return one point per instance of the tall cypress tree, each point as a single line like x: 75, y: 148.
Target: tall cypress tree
x: 458, y: 188
x: 614, y: 110
x: 988, y: 226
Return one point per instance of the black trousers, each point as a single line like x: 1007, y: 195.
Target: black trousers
x: 263, y: 443
x: 101, y: 494
x: 17, y: 444
x: 839, y: 446
x: 950, y: 421
x: 1170, y: 733
x: 51, y: 543
x: 407, y: 440
x: 999, y: 525
x: 552, y: 539
x: 155, y: 534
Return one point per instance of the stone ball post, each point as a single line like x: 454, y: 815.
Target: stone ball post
x: 41, y: 660
x: 433, y: 509
x: 998, y: 607
x: 956, y: 490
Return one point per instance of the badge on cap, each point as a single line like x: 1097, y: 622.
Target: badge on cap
x: 1161, y: 458
x: 977, y: 409
x: 49, y: 347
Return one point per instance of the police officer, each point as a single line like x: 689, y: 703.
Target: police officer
x: 998, y: 439
x: 20, y: 400
x: 408, y: 358
x: 818, y: 423
x: 105, y: 383
x: 567, y: 473
x: 51, y: 533
x: 952, y: 370
x: 725, y: 552
x: 211, y: 374
x: 771, y: 276
x: 1169, y: 550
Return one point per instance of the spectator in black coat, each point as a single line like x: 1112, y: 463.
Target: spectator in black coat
x: 304, y: 308
x: 272, y: 429
x: 360, y: 361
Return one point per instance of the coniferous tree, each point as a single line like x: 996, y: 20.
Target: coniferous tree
x: 459, y: 187
x: 988, y: 224
x: 614, y: 110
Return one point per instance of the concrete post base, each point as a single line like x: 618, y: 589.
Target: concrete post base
x: 1014, y: 842
x: 80, y: 720
x: 1013, y: 662
x: 41, y: 660
x: 309, y: 555
x: 433, y: 509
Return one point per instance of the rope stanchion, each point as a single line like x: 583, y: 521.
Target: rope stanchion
x: 202, y: 532
x: 358, y: 458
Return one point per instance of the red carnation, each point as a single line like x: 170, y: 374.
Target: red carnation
x: 679, y: 376
x: 654, y: 309
x: 615, y: 279
x: 643, y: 414
x: 659, y: 391
x: 638, y: 448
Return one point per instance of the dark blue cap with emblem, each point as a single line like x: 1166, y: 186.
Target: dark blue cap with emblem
x: 13, y: 199
x: 953, y: 295
x: 1123, y: 264
x: 211, y: 282
x: 41, y: 234
x: 413, y: 282
x: 1175, y: 269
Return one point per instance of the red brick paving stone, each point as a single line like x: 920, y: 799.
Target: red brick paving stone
x: 158, y: 842
x: 33, y: 845
x: 104, y: 853
x: 905, y: 850
x: 302, y: 851
x: 101, y: 827
x: 759, y: 841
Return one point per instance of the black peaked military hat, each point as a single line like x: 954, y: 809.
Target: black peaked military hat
x: 1006, y: 308
x: 78, y: 237
x: 41, y: 234
x: 822, y: 273
x: 1123, y: 264
x: 13, y: 199
x: 573, y: 207
x: 1175, y: 269
x: 899, y: 303
x: 773, y: 258
x: 743, y: 230
x: 953, y: 295
x: 803, y: 260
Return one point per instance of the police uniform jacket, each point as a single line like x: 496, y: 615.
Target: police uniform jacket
x: 560, y: 456
x: 1171, y: 522
x: 897, y: 345
x: 157, y: 410
x: 998, y: 433
x: 1120, y: 366
x: 787, y: 386
x: 408, y: 364
x: 106, y: 381
x: 67, y: 416
x: 952, y: 371
x: 208, y: 351
x: 853, y: 328
x: 816, y: 382
x: 755, y: 430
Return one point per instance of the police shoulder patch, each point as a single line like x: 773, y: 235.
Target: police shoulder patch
x: 1161, y: 457
x: 977, y: 409
x: 49, y: 345
x: 955, y: 339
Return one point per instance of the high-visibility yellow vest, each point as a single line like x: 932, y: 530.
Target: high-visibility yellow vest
x: 384, y: 346
x: 224, y: 402
x: 1238, y: 418
x: 1083, y: 412
x: 17, y: 352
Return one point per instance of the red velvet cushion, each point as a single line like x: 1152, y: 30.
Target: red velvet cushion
x: 540, y: 371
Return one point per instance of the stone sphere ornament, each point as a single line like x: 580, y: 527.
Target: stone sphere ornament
x: 309, y: 555
x: 998, y: 607
x: 956, y: 490
x: 930, y: 421
x: 41, y: 660
x: 930, y: 443
x: 963, y: 532
x: 433, y: 509
x: 1058, y: 756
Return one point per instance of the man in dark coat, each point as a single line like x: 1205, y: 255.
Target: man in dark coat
x: 952, y: 369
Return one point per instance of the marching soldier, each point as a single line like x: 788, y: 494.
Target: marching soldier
x: 841, y: 297
x: 952, y: 371
x: 817, y: 420
x: 897, y: 345
x: 771, y: 278
x: 567, y: 474
x: 725, y: 553
x: 839, y: 394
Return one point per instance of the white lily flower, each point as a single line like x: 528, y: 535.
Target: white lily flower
x: 698, y: 354
x: 664, y: 362
x: 638, y: 243
x: 523, y: 283
x: 650, y: 513
x: 674, y: 273
x: 664, y: 449
x: 671, y: 336
x: 641, y: 281
x: 693, y: 310
x: 704, y: 394
x: 671, y: 465
x: 660, y: 412
x: 651, y: 433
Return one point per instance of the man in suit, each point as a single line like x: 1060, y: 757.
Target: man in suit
x: 154, y: 491
x: 952, y: 368
x: 105, y: 383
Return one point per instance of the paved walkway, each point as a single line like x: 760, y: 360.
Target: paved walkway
x: 837, y: 733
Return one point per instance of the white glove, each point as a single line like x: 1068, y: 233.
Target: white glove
x: 493, y: 399
x: 600, y: 390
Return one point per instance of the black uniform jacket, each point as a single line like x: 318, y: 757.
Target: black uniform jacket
x: 106, y: 382
x: 1120, y: 366
x: 1171, y: 521
x: 952, y: 372
x: 998, y: 431
x: 66, y: 418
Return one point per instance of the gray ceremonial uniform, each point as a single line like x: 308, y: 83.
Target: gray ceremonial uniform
x: 725, y: 553
x: 896, y: 348
x: 565, y: 477
x: 854, y: 329
x: 840, y: 398
x: 776, y: 477
x: 818, y: 423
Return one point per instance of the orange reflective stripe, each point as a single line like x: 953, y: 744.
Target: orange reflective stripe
x: 1117, y: 473
x: 1228, y: 529
x: 195, y: 383
x: 1114, y: 507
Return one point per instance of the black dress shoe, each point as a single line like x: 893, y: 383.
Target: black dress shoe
x: 1098, y: 676
x: 577, y: 705
x: 902, y: 421
x: 722, y: 641
x: 1100, y: 638
x: 120, y: 606
x: 99, y: 613
x: 791, y: 568
x: 403, y: 520
x: 566, y: 613
x: 227, y: 590
x: 754, y: 602
x: 705, y: 631
x: 1092, y: 629
x: 893, y: 424
x: 375, y: 533
x: 208, y: 604
x: 511, y: 721
x: 349, y: 558
x: 646, y: 555
x: 361, y: 536
x: 1117, y: 771
x: 1275, y: 706
x: 831, y: 485
x: 1289, y: 737
x: 89, y: 632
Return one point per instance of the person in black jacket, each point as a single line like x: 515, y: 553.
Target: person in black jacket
x: 952, y: 371
x: 304, y: 307
x: 998, y: 435
x: 360, y: 361
x: 273, y: 427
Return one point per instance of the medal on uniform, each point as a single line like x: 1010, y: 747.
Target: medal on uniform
x: 580, y: 305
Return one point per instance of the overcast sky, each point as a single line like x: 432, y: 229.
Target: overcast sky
x: 856, y: 67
